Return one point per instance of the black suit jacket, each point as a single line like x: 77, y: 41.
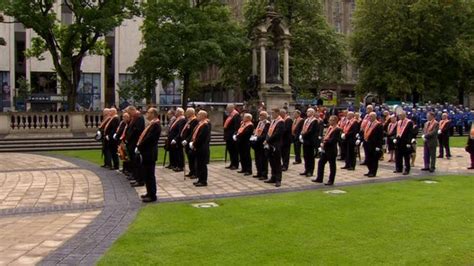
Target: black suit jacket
x: 330, y: 145
x: 287, y: 137
x: 201, y: 143
x: 134, y: 131
x: 148, y: 147
x: 120, y: 130
x: 405, y: 138
x: 232, y: 128
x: 175, y: 132
x: 263, y: 136
x: 275, y: 139
x: 244, y: 137
x: 298, y: 129
x: 376, y: 139
x: 187, y: 131
x: 351, y: 135
x: 309, y: 138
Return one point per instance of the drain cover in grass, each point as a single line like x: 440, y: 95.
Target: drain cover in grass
x: 336, y: 191
x: 205, y: 205
x: 430, y: 182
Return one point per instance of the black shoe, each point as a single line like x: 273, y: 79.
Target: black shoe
x: 105, y: 166
x: 144, y: 196
x: 396, y: 172
x: 303, y: 173
x: 193, y: 177
x: 270, y: 181
x: 137, y: 184
x: 425, y: 169
x: 296, y: 162
x: 247, y: 174
x: 241, y: 172
x: 309, y: 175
x: 228, y: 167
x: 149, y: 199
x: 130, y: 178
x: 351, y: 169
x: 277, y: 184
x: 363, y: 163
x: 448, y: 157
x: 233, y: 168
x: 262, y: 178
x: 432, y: 170
x: 470, y: 168
x: 199, y: 184
x: 371, y: 175
x: 115, y: 168
x: 256, y: 176
x: 169, y: 167
x: 366, y: 174
x: 440, y: 157
x: 284, y: 169
x: 328, y: 184
x: 317, y: 181
x: 345, y: 167
x: 189, y: 175
x: 177, y: 169
x: 406, y: 173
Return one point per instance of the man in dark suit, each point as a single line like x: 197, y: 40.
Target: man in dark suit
x: 350, y: 130
x: 231, y: 125
x: 186, y: 137
x: 286, y: 140
x: 403, y: 141
x: 100, y: 135
x: 111, y: 145
x: 147, y: 152
x: 272, y: 146
x: 308, y: 137
x: 328, y: 151
x: 343, y: 120
x: 430, y: 137
x: 119, y: 136
x: 243, y: 143
x: 134, y: 130
x: 174, y: 140
x: 363, y: 125
x: 373, y: 142
x: 259, y: 137
x: 171, y: 116
x: 200, y: 147
x: 443, y: 136
x: 295, y: 134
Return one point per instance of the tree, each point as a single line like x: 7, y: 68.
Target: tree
x: 317, y: 52
x: 412, y: 47
x: 182, y: 38
x: 68, y: 44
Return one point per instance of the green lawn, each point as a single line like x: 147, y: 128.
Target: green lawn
x: 457, y: 142
x: 407, y: 222
x: 95, y: 156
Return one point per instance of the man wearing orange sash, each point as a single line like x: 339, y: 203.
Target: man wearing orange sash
x: 295, y: 133
x: 119, y: 136
x: 349, y: 132
x: 243, y: 143
x: 132, y: 134
x: 373, y: 142
x: 342, y: 144
x: 147, y: 152
x: 272, y: 146
x: 200, y: 147
x: 443, y: 136
x: 430, y: 137
x: 231, y: 125
x: 328, y: 151
x: 309, y: 138
x: 186, y: 136
x: 363, y: 125
x: 100, y: 136
x: 174, y: 140
x: 286, y: 140
x: 257, y: 140
x: 403, y: 141
x: 111, y: 145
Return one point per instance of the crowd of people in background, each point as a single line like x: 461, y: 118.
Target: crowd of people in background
x: 316, y: 133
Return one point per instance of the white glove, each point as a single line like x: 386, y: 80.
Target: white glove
x: 439, y: 131
x: 408, y: 146
x: 184, y: 143
x: 173, y: 142
x: 234, y: 137
x: 266, y: 147
x: 413, y: 141
x: 343, y: 136
x: 357, y: 142
x: 99, y: 134
x: 423, y: 136
x: 358, y: 135
x: 115, y: 136
x: 191, y: 145
x: 301, y: 139
x: 107, y: 137
x: 253, y: 138
x: 377, y: 149
x: 137, y: 151
x: 320, y: 138
x: 321, y: 150
x: 394, y: 141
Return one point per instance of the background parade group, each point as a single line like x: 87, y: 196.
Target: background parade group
x: 314, y: 133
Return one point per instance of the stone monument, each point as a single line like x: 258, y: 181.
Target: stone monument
x: 270, y: 43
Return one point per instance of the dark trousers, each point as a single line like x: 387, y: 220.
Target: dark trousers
x: 332, y: 168
x: 297, y: 149
x: 308, y: 154
x: 178, y: 156
x: 261, y: 161
x: 231, y: 146
x: 285, y: 153
x: 373, y: 158
x: 365, y: 154
x: 201, y: 168
x: 148, y: 170
x: 402, y: 156
x: 429, y: 156
x: 245, y: 158
x: 444, y: 145
x: 135, y: 164
x: 110, y: 155
x: 350, y: 154
x: 472, y: 159
x: 172, y: 155
x: 343, y: 148
x: 190, y: 161
x: 275, y: 163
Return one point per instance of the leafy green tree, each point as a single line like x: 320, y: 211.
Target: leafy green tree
x: 317, y: 52
x: 412, y: 47
x: 183, y: 38
x: 68, y: 44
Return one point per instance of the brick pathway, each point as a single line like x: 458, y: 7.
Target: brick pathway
x: 223, y: 182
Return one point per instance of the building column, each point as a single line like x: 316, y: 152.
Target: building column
x: 11, y: 44
x: 102, y: 82
x: 286, y: 63
x: 117, y: 66
x: 254, y: 61
x: 263, y: 61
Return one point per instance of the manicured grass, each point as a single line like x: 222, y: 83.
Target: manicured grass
x: 95, y: 156
x: 456, y: 142
x: 407, y: 222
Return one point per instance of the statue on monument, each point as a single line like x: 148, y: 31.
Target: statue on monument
x: 273, y: 67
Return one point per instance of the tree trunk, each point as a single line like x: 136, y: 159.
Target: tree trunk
x: 186, y: 84
x: 72, y: 84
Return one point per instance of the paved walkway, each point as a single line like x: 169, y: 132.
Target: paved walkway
x: 66, y: 211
